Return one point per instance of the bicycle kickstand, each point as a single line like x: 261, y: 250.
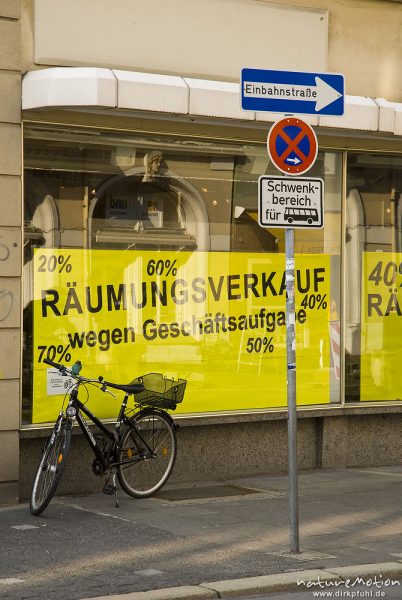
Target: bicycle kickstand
x: 115, y: 489
x: 111, y: 488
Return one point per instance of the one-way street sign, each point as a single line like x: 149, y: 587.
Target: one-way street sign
x: 292, y: 92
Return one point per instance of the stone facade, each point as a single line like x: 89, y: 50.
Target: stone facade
x: 10, y: 247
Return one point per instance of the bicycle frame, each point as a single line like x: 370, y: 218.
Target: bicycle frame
x: 105, y: 459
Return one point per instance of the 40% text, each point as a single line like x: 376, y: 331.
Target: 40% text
x: 314, y: 301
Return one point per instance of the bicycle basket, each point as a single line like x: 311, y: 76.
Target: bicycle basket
x: 160, y: 391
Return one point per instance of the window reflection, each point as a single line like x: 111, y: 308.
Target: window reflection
x: 373, y: 236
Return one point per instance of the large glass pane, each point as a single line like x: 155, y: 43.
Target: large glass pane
x: 143, y: 254
x: 248, y: 236
x: 373, y: 277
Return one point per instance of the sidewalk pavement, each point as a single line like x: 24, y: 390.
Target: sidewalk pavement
x: 208, y: 540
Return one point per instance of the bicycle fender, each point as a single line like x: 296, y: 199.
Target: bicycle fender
x: 150, y: 411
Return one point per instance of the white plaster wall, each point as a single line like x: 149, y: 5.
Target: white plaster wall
x: 203, y: 38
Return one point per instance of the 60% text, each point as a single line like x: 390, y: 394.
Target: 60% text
x: 161, y: 267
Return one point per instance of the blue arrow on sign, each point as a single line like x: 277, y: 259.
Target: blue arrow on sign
x: 292, y: 92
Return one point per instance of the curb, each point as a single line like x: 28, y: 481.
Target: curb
x: 380, y: 575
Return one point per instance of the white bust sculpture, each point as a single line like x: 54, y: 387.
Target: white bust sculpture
x: 152, y: 163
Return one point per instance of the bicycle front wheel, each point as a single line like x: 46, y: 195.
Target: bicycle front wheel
x: 51, y: 467
x: 147, y: 454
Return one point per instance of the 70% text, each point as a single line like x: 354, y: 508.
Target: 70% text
x: 52, y: 352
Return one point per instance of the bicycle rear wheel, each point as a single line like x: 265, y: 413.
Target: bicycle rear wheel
x: 147, y: 454
x: 51, y: 466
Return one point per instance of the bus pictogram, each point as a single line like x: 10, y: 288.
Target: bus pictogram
x: 299, y: 215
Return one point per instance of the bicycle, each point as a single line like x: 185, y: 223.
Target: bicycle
x: 141, y: 449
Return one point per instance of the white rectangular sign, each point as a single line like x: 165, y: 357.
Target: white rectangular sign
x: 56, y: 383
x: 296, y: 202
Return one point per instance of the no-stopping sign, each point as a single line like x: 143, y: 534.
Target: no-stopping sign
x: 292, y: 146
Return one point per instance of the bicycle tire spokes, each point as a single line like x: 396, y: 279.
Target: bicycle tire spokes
x: 155, y: 444
x: 161, y: 441
x: 50, y: 470
x: 149, y: 440
x: 50, y: 467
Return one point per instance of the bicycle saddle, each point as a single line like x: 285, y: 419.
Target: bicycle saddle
x: 131, y: 388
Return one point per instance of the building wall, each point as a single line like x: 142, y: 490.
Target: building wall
x: 361, y: 39
x: 160, y: 37
x: 254, y: 445
x: 365, y: 45
x: 10, y: 246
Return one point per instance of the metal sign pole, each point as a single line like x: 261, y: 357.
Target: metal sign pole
x: 291, y: 391
x: 327, y: 97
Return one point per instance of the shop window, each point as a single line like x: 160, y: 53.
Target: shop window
x: 144, y: 253
x: 373, y: 277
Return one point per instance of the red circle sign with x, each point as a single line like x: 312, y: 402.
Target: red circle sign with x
x: 292, y: 146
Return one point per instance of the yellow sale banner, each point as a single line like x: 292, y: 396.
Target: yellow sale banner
x: 381, y: 326
x: 216, y: 319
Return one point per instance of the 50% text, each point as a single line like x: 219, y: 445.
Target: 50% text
x: 259, y: 345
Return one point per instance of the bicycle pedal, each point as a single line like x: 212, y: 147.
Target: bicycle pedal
x: 109, y: 489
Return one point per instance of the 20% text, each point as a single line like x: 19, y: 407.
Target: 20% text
x: 52, y: 263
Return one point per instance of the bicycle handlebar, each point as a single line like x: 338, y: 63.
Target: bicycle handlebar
x: 58, y: 366
x: 65, y: 370
x: 75, y: 369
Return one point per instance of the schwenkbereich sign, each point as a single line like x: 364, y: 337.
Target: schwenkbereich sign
x: 295, y: 202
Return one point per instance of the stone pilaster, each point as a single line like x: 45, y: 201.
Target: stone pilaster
x: 11, y: 224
